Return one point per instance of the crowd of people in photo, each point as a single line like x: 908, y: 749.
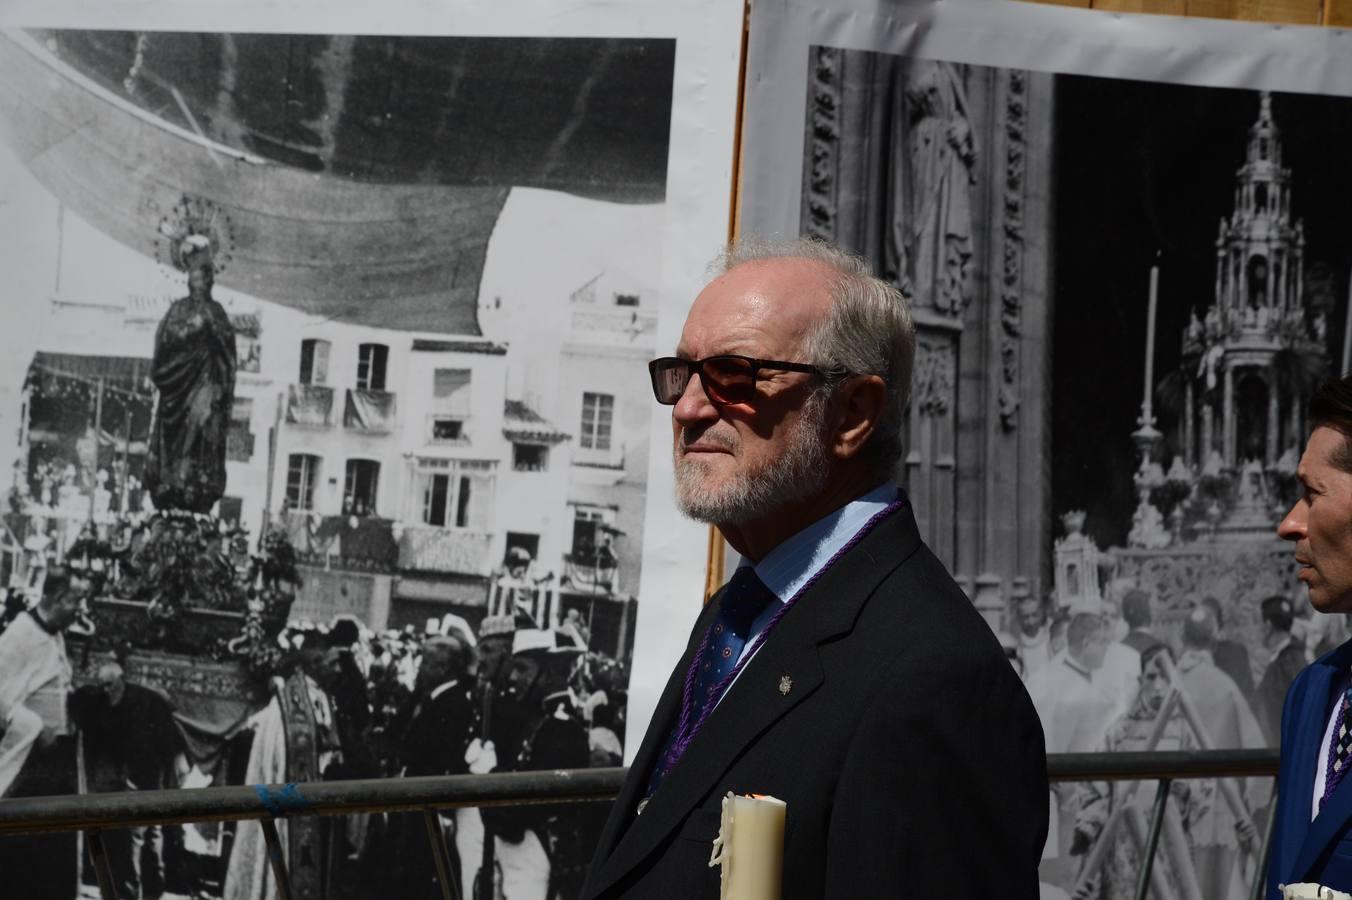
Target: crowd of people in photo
x: 451, y: 698
x: 1110, y: 679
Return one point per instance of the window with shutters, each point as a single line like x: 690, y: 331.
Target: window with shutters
x: 302, y: 472
x: 371, y: 362
x: 314, y: 361
x: 360, y: 484
x: 598, y: 413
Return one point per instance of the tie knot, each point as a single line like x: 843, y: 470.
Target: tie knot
x: 746, y: 596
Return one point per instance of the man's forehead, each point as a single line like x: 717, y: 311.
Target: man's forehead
x: 777, y: 300
x: 1317, y: 460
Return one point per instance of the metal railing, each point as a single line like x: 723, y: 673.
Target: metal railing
x: 94, y: 813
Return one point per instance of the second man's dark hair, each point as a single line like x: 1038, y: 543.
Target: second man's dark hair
x: 1277, y: 611
x: 1331, y: 407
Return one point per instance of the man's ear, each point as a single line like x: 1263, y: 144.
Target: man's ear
x: 860, y: 403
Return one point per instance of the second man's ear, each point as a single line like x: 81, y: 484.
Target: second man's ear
x: 860, y: 403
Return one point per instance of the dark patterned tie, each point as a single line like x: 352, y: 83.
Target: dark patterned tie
x: 1340, y: 749
x: 744, y: 598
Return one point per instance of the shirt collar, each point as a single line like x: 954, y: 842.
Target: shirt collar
x: 788, y: 567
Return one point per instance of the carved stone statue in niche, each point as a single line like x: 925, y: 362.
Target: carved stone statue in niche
x: 194, y: 374
x: 929, y: 252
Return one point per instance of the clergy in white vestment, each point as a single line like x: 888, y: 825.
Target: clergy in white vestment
x: 1034, y: 636
x: 1075, y: 712
x: 35, y: 674
x: 1120, y: 673
x: 1229, y: 724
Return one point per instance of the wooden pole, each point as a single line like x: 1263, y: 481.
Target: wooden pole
x: 98, y: 441
x: 1227, y: 786
x: 1099, y: 852
x: 1145, y: 852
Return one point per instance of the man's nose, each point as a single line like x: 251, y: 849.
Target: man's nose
x: 1293, y: 526
x: 693, y: 405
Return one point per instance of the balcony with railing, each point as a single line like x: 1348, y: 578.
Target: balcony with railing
x: 622, y: 325
x: 362, y: 543
x: 309, y: 404
x: 369, y: 410
x: 432, y: 548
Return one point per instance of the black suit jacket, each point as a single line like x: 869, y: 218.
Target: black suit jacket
x: 1141, y: 641
x: 1232, y: 658
x: 439, y: 732
x: 907, y: 749
x: 1271, y: 694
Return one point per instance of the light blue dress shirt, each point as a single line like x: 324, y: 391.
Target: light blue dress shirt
x: 788, y: 567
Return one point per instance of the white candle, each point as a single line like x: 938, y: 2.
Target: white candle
x: 750, y: 847
x: 1147, y: 411
x: 1310, y: 891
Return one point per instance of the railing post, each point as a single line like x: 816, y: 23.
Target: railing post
x: 1260, y: 874
x: 1152, y: 840
x: 103, y: 870
x: 442, y: 855
x: 277, y: 856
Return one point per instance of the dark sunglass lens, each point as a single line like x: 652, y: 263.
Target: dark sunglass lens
x: 729, y: 379
x: 670, y: 376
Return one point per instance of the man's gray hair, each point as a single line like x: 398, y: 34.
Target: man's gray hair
x: 869, y: 331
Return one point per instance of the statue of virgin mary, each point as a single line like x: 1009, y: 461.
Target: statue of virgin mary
x: 194, y: 375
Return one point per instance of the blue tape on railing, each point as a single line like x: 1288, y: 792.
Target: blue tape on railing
x: 280, y: 801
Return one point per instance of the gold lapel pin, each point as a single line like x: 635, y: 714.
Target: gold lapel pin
x: 785, y: 685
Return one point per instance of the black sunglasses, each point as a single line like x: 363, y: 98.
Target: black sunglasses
x: 726, y: 379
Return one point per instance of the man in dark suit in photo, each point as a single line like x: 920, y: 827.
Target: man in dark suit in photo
x: 1312, y: 832
x: 1136, y: 612
x: 841, y: 669
x: 1231, y: 656
x: 434, y: 743
x: 1288, y: 658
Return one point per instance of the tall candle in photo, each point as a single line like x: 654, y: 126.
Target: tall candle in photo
x: 1147, y: 407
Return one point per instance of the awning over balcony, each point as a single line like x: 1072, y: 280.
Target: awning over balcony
x: 521, y: 423
x: 353, y: 177
x: 129, y: 373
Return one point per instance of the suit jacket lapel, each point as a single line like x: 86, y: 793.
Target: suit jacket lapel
x: 755, y: 702
x: 664, y: 717
x: 1326, y: 678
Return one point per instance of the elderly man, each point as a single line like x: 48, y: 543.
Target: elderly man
x: 37, y: 754
x: 841, y: 669
x: 131, y: 744
x: 1312, y: 833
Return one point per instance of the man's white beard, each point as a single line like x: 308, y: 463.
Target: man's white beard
x: 798, y: 474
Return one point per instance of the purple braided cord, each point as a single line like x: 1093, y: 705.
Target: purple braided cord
x: 685, y: 733
x: 1329, y: 774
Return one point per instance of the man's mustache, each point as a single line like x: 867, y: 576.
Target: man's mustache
x: 705, y: 435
